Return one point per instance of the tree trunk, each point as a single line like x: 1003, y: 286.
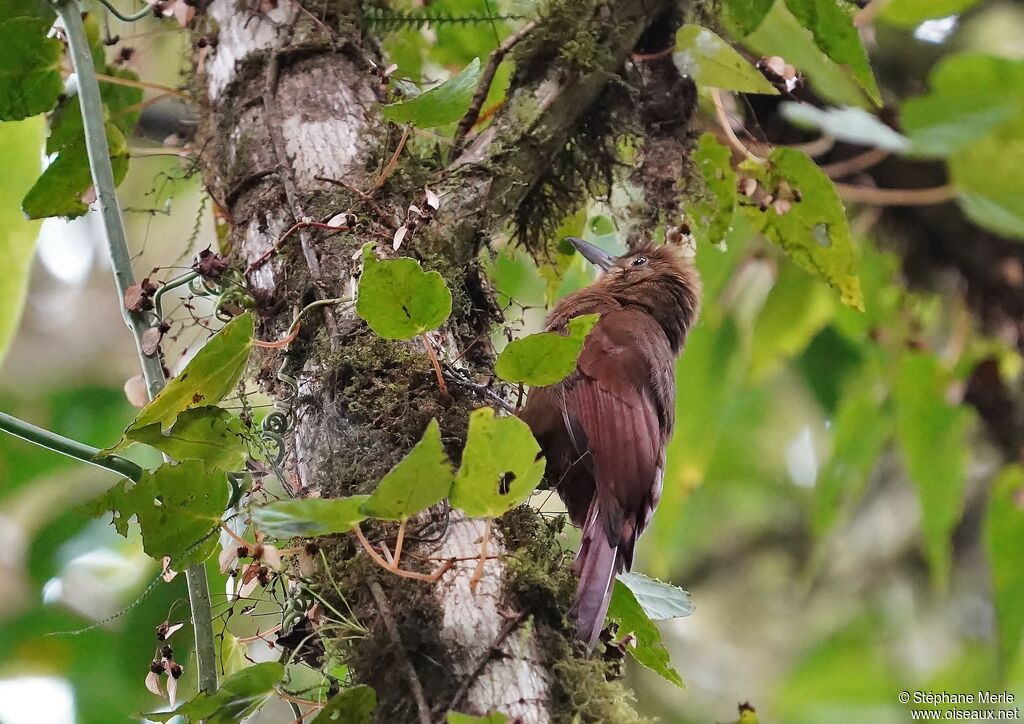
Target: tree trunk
x: 290, y: 131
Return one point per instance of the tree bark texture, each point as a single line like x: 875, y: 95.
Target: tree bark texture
x: 291, y: 130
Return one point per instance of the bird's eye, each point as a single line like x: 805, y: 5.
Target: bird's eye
x: 640, y: 261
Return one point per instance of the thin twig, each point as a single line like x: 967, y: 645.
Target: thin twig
x: 483, y: 86
x: 403, y: 656
x: 855, y: 164
x: 276, y: 248
x: 415, y: 575
x: 896, y: 197
x: 389, y: 169
x: 730, y: 135
x: 478, y: 572
x: 456, y: 376
x: 398, y: 544
x: 116, y: 80
x: 433, y: 360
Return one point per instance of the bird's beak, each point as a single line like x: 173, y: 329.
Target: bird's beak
x: 595, y: 255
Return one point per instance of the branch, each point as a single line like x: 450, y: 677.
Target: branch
x: 484, y: 86
x: 120, y: 257
x: 66, y: 446
x: 896, y: 197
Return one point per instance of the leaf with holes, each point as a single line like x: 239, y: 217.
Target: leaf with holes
x: 711, y: 215
x: 831, y: 24
x: 421, y: 479
x: 1004, y: 539
x: 178, y: 506
x: 438, y: 106
x: 500, y: 465
x: 209, y: 433
x: 660, y: 601
x: 310, y: 517
x: 238, y: 697
x: 30, y: 80
x: 206, y: 379
x: 546, y: 357
x: 812, y: 228
x: 398, y: 299
x: 646, y: 647
x: 711, y: 61
x: 349, y: 706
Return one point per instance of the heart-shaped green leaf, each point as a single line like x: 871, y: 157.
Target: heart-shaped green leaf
x: 546, y: 357
x: 500, y: 465
x: 398, y: 299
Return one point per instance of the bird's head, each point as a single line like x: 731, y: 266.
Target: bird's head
x: 660, y: 279
x: 637, y: 267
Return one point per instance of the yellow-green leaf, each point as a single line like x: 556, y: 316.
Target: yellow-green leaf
x: 349, y: 706
x: 712, y: 62
x: 834, y: 33
x: 646, y: 646
x: 238, y: 697
x: 310, y: 517
x: 209, y: 433
x: 546, y: 357
x: 421, y: 479
x: 712, y: 214
x: 443, y: 104
x: 500, y: 465
x: 813, y: 230
x: 206, y: 379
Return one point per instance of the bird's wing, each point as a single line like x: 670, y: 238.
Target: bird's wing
x: 621, y: 399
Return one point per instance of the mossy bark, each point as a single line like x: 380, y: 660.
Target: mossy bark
x: 291, y: 130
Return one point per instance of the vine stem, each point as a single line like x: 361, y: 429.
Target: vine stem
x: 120, y: 257
x: 72, y: 448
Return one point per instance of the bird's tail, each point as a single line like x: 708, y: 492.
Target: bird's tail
x: 597, y: 563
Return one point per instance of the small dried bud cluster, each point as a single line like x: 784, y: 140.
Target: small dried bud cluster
x: 164, y: 665
x: 780, y: 199
x: 780, y: 74
x: 415, y: 217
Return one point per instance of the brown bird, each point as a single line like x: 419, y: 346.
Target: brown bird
x: 604, y: 427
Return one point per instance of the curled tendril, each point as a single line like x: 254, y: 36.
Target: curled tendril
x: 274, y: 444
x: 222, y: 314
x: 202, y: 287
x: 276, y: 422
